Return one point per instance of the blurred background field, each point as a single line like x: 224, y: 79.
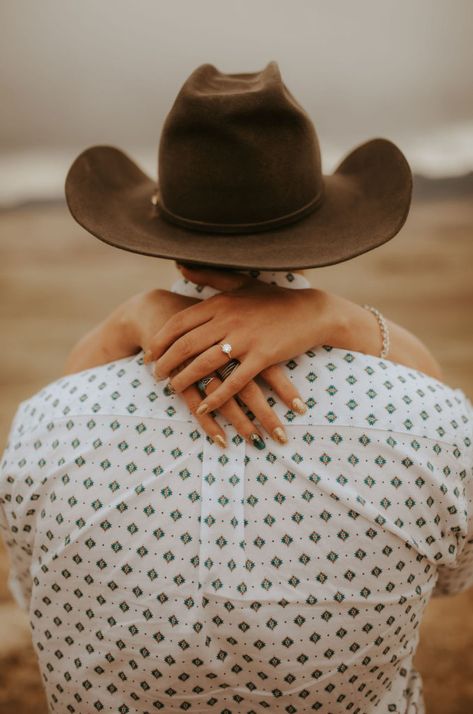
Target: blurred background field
x: 75, y: 74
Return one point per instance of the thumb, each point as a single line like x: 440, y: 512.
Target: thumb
x: 219, y: 279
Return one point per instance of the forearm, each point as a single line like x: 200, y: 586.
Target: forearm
x: 357, y: 329
x: 127, y: 330
x: 110, y: 340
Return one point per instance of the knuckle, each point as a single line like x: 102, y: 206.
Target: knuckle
x: 262, y: 354
x: 155, y: 341
x: 237, y: 323
x: 237, y: 380
x: 222, y: 299
x: 216, y: 301
x: 157, y: 294
x: 204, y: 363
x: 272, y: 372
x: 185, y: 346
x: 152, y: 297
x: 175, y: 323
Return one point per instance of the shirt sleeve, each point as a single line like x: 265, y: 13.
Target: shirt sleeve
x: 19, y: 577
x: 16, y: 518
x: 459, y: 577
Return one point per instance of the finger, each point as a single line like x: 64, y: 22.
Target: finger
x: 192, y: 343
x: 238, y: 379
x: 255, y: 400
x: 180, y: 323
x: 278, y: 381
x: 219, y: 279
x: 204, y: 364
x: 175, y: 371
x: 192, y: 397
x: 237, y: 417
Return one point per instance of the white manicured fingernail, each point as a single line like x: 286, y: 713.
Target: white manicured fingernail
x: 299, y: 406
x: 220, y: 441
x: 280, y: 435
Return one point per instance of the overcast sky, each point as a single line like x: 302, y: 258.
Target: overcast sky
x: 80, y: 72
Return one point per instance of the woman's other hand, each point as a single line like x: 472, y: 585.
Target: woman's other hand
x: 148, y: 311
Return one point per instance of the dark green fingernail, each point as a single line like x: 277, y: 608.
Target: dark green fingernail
x: 169, y: 389
x: 257, y: 441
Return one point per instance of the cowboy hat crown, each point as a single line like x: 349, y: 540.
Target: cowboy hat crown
x: 240, y: 183
x: 237, y: 154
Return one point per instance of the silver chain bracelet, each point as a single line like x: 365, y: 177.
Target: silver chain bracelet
x: 383, y: 326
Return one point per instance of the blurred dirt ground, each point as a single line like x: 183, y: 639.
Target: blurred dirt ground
x: 56, y: 281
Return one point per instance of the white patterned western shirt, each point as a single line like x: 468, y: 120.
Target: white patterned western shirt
x: 162, y: 573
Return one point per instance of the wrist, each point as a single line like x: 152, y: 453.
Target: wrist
x: 334, y: 320
x: 340, y: 332
x: 362, y: 330
x: 350, y: 326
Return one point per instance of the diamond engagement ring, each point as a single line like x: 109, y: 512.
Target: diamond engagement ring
x: 226, y: 349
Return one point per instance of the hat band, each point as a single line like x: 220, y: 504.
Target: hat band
x: 236, y: 227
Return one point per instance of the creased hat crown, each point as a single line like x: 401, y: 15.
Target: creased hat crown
x: 237, y: 152
x: 240, y: 184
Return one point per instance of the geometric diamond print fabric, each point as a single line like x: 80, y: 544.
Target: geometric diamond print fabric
x: 162, y: 573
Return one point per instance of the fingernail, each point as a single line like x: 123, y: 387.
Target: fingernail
x: 220, y: 441
x: 158, y: 377
x: 202, y: 409
x: 299, y: 406
x: 280, y: 435
x: 147, y: 357
x: 169, y: 389
x: 257, y: 441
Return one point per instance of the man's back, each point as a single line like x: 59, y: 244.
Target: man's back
x: 168, y: 574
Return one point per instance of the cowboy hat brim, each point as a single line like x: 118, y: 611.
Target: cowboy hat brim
x: 366, y: 202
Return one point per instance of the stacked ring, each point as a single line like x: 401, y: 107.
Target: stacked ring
x: 225, y: 371
x: 202, y: 384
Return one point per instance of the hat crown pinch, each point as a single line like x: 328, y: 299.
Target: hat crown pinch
x: 237, y: 150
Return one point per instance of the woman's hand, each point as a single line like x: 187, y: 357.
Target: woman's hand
x: 131, y: 327
x: 264, y: 324
x: 142, y: 319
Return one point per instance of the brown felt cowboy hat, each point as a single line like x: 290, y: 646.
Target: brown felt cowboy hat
x: 240, y: 183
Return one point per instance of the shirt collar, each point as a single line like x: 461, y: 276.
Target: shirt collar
x: 283, y: 279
